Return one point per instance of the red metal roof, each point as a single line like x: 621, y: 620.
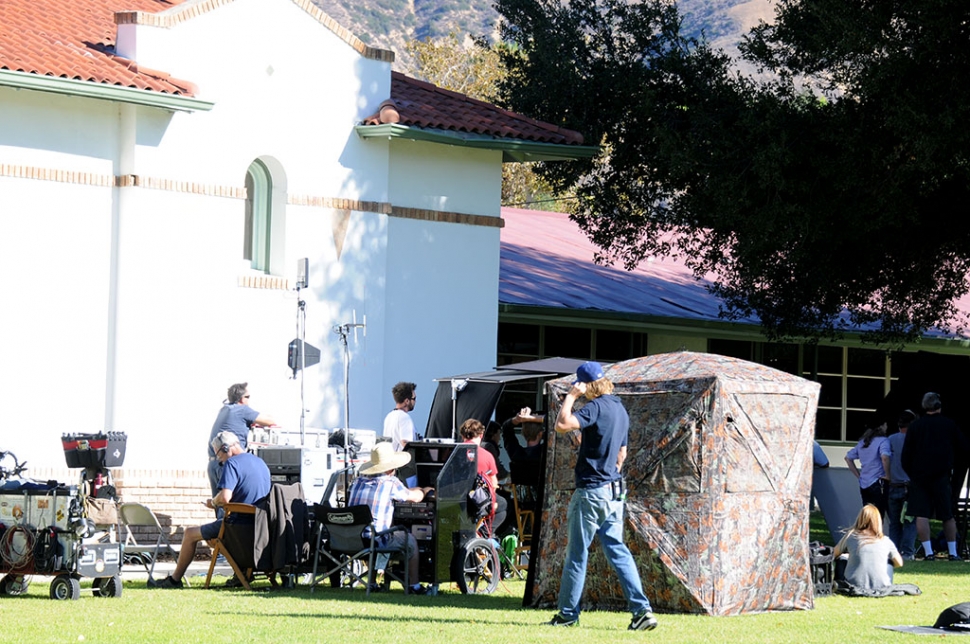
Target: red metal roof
x: 420, y: 104
x: 75, y: 39
x: 547, y: 261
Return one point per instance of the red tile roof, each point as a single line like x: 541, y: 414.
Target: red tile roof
x: 75, y: 39
x: 420, y: 104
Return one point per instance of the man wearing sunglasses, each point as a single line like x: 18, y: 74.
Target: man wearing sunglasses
x: 237, y: 417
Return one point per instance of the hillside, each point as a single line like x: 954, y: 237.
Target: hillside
x: 390, y: 24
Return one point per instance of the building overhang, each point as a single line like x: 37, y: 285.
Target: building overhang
x: 513, y: 150
x: 644, y: 323
x: 114, y: 93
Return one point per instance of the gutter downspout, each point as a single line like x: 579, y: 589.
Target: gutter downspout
x: 125, y: 165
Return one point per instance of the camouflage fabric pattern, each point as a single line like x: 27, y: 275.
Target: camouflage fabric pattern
x: 719, y: 471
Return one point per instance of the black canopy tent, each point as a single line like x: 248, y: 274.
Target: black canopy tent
x: 475, y: 395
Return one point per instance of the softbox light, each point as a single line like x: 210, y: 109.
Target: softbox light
x: 294, y: 359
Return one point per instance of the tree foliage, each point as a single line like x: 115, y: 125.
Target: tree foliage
x: 829, y: 197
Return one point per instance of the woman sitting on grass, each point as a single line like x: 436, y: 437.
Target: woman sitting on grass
x: 872, y: 555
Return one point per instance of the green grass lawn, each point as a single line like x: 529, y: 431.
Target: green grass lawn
x: 328, y: 615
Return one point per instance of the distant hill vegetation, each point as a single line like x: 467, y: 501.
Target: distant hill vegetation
x: 390, y: 24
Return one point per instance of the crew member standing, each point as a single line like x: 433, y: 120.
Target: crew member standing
x: 398, y: 426
x: 236, y: 416
x: 596, y: 508
x: 931, y: 444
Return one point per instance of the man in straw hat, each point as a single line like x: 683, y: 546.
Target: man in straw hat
x: 379, y: 488
x: 596, y: 508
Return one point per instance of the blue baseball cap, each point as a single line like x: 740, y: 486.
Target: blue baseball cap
x: 589, y: 372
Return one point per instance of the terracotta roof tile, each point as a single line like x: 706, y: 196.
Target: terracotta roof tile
x: 75, y: 39
x: 420, y: 104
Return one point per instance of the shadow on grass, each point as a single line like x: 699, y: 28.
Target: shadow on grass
x: 498, y: 601
x: 940, y: 567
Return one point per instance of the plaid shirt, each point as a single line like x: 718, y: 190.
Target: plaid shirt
x: 379, y: 492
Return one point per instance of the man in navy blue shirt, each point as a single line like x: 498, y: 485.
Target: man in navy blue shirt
x: 596, y: 507
x: 245, y: 479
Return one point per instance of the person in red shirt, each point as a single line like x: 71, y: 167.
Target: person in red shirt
x: 471, y: 431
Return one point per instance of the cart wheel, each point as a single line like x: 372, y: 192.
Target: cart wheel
x: 107, y: 587
x: 476, y: 567
x: 14, y: 585
x: 65, y: 587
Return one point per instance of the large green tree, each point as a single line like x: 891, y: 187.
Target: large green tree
x: 828, y: 193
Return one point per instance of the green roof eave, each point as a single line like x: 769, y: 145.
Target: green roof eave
x: 115, y: 93
x: 514, y: 150
x: 525, y: 313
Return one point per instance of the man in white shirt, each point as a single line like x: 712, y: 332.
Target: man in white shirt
x: 398, y: 426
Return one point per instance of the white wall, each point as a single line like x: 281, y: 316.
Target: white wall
x: 447, y: 178
x: 54, y: 258
x: 442, y: 313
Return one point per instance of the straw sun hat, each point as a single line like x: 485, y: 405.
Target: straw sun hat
x: 383, y: 458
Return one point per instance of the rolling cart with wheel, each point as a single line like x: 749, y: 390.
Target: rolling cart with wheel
x: 44, y: 530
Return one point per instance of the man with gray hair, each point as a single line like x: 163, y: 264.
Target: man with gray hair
x: 245, y: 479
x: 928, y: 456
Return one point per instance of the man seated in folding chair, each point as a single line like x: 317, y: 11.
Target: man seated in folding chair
x: 245, y: 479
x: 378, y: 487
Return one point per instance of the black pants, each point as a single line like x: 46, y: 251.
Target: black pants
x: 878, y: 495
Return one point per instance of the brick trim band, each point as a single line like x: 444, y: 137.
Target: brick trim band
x: 232, y: 192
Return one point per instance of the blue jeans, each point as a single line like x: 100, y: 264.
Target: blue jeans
x: 902, y: 533
x: 593, y: 512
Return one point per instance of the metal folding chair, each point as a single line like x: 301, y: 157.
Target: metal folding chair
x: 343, y: 548
x: 136, y: 515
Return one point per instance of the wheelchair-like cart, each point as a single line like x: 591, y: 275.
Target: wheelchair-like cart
x: 45, y: 530
x: 450, y: 543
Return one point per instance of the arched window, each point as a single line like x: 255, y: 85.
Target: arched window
x: 264, y: 236
x: 259, y: 216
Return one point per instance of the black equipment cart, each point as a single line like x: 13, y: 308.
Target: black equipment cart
x: 45, y: 528
x: 449, y: 545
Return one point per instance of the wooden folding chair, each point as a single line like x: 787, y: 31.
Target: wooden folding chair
x: 524, y: 500
x: 235, y: 541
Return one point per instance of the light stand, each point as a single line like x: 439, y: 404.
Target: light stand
x: 301, y: 355
x: 343, y: 330
x: 301, y: 336
x: 456, y: 386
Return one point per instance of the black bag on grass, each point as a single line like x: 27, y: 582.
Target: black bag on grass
x: 955, y: 618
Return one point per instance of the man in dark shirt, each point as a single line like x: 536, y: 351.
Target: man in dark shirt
x: 928, y: 454
x: 245, y: 479
x: 524, y: 461
x: 596, y: 508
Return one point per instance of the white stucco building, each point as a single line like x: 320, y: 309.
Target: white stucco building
x: 163, y: 166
